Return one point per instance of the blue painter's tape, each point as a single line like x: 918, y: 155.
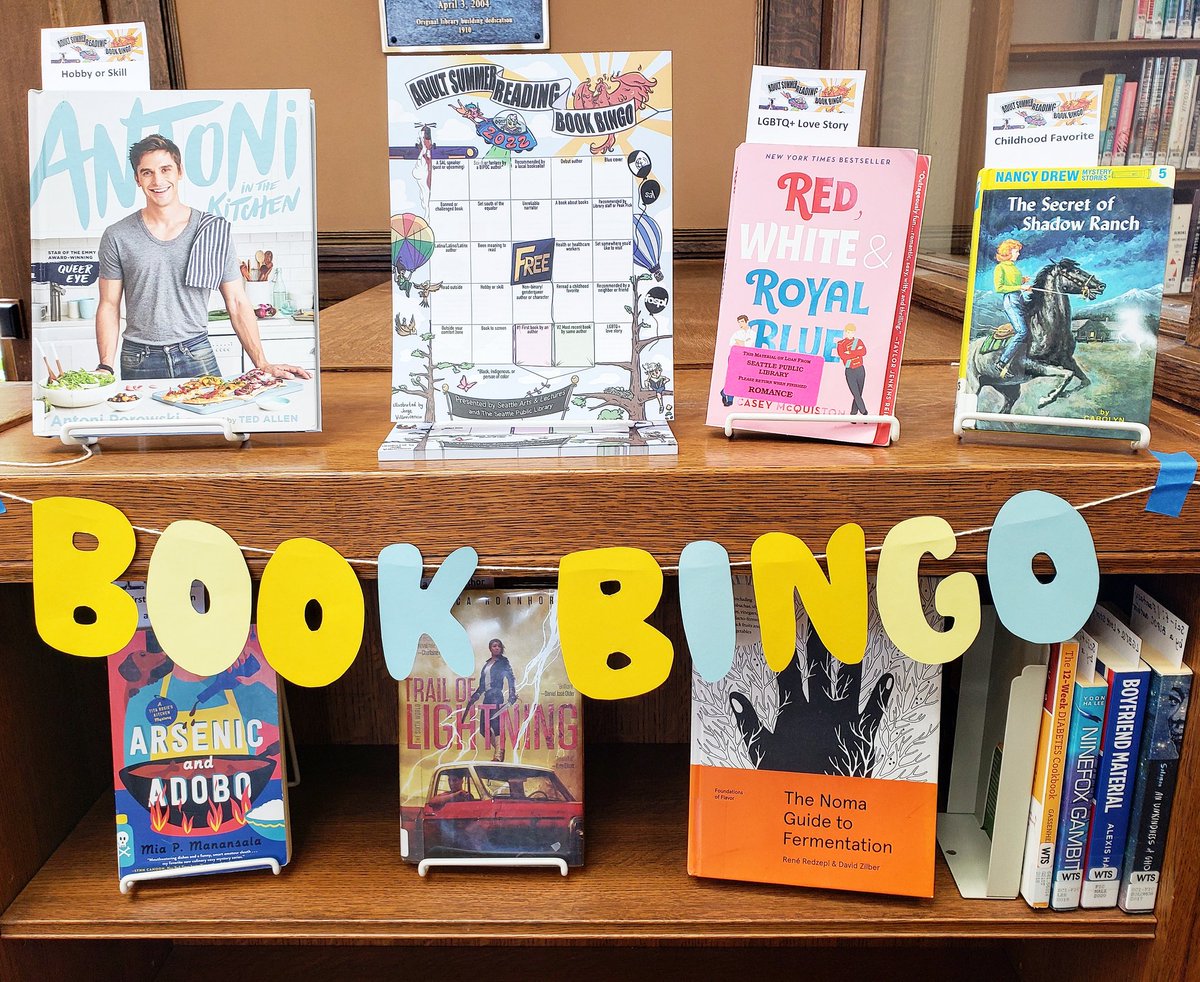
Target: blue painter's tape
x: 1176, y: 472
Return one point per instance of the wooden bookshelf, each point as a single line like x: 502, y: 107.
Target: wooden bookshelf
x: 331, y: 486
x: 347, y: 900
x: 990, y: 58
x: 1101, y: 50
x: 348, y: 883
x: 583, y: 963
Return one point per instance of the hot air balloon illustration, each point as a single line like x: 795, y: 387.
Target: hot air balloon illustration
x: 412, y: 245
x: 647, y: 244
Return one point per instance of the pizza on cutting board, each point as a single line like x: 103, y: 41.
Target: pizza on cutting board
x: 210, y: 389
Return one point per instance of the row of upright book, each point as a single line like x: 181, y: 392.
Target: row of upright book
x: 1111, y: 735
x: 1121, y: 20
x: 820, y: 774
x: 1183, y: 244
x: 1152, y: 119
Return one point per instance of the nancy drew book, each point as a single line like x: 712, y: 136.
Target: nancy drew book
x: 491, y: 765
x: 824, y: 775
x: 814, y: 300
x: 197, y: 762
x: 1065, y: 295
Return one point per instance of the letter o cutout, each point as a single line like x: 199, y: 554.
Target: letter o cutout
x: 1028, y: 524
x: 203, y: 644
x: 302, y: 570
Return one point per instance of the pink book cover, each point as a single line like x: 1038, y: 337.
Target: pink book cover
x: 816, y: 261
x: 1124, y: 123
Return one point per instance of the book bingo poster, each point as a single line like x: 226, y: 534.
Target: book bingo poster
x: 531, y: 239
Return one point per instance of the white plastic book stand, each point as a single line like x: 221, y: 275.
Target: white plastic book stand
x: 425, y: 865
x: 75, y: 434
x: 995, y: 746
x: 130, y: 879
x: 733, y: 419
x: 1139, y: 431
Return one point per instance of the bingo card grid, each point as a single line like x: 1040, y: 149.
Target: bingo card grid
x: 479, y: 208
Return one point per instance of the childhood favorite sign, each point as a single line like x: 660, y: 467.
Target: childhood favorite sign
x: 1035, y: 127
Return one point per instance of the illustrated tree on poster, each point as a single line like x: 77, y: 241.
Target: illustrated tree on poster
x: 629, y: 402
x: 424, y: 381
x: 647, y: 383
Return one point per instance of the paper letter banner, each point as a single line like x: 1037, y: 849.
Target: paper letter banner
x: 604, y: 598
x: 1029, y: 524
x: 304, y: 570
x: 67, y: 578
x: 898, y: 593
x: 208, y: 643
x: 406, y: 611
x: 706, y: 605
x: 837, y: 607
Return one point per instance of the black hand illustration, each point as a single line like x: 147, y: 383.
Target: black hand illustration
x: 823, y: 734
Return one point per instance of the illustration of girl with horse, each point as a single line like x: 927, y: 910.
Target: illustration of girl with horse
x: 1040, y: 314
x: 1017, y: 291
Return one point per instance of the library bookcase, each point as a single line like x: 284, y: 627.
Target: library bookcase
x: 347, y: 906
x: 997, y: 63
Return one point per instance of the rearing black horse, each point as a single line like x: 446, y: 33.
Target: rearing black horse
x: 1051, y: 351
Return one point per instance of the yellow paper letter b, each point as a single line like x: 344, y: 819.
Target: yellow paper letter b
x: 604, y: 598
x: 66, y: 578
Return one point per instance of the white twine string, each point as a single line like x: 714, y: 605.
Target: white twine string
x: 666, y: 569
x: 87, y: 452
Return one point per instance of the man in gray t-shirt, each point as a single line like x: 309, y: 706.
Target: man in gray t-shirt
x: 149, y: 257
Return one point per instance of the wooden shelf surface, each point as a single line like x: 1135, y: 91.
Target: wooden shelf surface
x: 532, y: 512
x: 347, y: 882
x: 590, y: 963
x: 1092, y: 50
x: 16, y: 403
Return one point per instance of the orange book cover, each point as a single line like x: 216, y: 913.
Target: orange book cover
x: 824, y: 775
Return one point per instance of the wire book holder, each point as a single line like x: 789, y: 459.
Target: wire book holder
x: 964, y: 418
x: 553, y: 862
x: 732, y: 419
x: 90, y: 433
